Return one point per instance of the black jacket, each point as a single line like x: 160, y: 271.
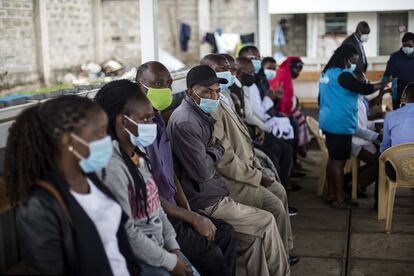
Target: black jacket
x: 48, y: 241
x: 362, y: 61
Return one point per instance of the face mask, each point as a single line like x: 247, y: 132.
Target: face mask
x: 100, y: 152
x: 208, y: 105
x: 364, y: 38
x: 270, y: 74
x: 160, y: 98
x: 408, y: 50
x: 228, y: 76
x: 257, y: 63
x: 247, y: 79
x: 147, y: 133
x: 353, y: 67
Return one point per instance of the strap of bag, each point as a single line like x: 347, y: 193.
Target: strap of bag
x: 45, y: 185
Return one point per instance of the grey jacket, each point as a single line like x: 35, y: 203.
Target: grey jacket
x: 190, y: 131
x: 149, y: 241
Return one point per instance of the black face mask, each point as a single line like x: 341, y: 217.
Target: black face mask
x: 247, y: 80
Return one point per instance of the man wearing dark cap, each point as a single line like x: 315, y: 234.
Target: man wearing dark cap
x: 260, y: 248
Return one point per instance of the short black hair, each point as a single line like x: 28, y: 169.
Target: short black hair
x: 407, y: 37
x: 363, y: 25
x: 409, y: 92
x: 243, y: 51
x: 268, y: 60
x: 212, y: 59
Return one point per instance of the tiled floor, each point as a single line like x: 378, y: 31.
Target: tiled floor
x: 341, y: 243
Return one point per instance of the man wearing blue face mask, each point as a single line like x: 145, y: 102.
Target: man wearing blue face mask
x: 197, y: 151
x: 401, y: 65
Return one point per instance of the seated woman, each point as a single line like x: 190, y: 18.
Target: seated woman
x: 67, y: 221
x: 282, y: 93
x: 129, y: 177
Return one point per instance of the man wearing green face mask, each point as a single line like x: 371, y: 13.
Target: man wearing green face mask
x: 208, y: 243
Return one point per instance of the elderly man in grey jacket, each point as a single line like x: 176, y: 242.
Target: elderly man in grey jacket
x: 190, y: 128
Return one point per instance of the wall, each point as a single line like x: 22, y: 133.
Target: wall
x: 121, y: 31
x: 295, y: 35
x: 17, y: 43
x: 73, y: 33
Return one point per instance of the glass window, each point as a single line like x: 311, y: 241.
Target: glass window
x: 335, y: 23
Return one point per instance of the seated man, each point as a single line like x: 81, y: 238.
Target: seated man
x: 399, y: 125
x: 260, y: 248
x: 208, y: 243
x: 364, y: 149
x: 277, y: 149
x: 242, y: 170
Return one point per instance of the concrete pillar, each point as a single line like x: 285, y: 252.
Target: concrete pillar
x: 149, y: 30
x: 98, y: 30
x: 411, y: 21
x: 42, y: 37
x: 264, y: 28
x: 312, y: 35
x: 203, y: 24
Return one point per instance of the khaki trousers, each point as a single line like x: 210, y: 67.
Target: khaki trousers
x: 275, y: 201
x: 260, y: 249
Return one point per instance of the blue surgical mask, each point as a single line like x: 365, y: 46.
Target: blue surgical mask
x: 270, y: 74
x: 228, y: 76
x: 353, y: 67
x: 408, y: 50
x: 147, y: 133
x: 100, y: 152
x: 257, y: 63
x: 208, y: 105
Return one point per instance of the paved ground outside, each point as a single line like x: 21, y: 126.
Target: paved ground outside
x: 350, y: 243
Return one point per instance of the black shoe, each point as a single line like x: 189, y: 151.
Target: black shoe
x: 298, y: 174
x: 293, y: 211
x: 293, y: 187
x: 293, y: 259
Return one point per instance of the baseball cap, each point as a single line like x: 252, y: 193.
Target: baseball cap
x: 203, y: 75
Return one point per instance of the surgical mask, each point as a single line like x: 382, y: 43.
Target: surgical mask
x: 208, y: 105
x: 353, y: 67
x: 247, y: 80
x: 228, y: 76
x: 364, y: 38
x: 160, y: 98
x: 270, y: 74
x: 100, y: 152
x: 257, y: 63
x: 408, y: 50
x: 147, y: 133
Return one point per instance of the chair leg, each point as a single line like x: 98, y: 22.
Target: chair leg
x: 322, y: 176
x: 390, y: 206
x: 382, y: 199
x: 355, y: 167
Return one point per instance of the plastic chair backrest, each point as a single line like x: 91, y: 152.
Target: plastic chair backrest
x: 401, y: 158
x: 317, y: 132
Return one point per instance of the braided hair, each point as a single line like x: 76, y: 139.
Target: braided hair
x: 120, y: 97
x: 342, y: 53
x: 33, y: 141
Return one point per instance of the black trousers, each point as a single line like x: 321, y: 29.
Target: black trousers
x: 209, y: 258
x: 281, y: 153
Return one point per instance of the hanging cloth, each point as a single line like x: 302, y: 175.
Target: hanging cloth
x: 185, y: 35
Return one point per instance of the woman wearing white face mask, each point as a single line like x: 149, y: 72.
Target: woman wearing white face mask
x: 130, y: 178
x: 68, y: 222
x: 338, y: 116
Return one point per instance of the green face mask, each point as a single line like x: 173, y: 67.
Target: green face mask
x: 160, y: 98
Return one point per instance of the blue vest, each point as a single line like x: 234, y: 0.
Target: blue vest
x: 338, y: 111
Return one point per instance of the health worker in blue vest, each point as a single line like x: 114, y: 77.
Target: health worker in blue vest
x: 338, y: 116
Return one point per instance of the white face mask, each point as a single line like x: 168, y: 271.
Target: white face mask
x: 364, y: 38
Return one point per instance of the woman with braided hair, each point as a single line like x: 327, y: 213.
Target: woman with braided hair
x: 130, y: 178
x: 67, y: 221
